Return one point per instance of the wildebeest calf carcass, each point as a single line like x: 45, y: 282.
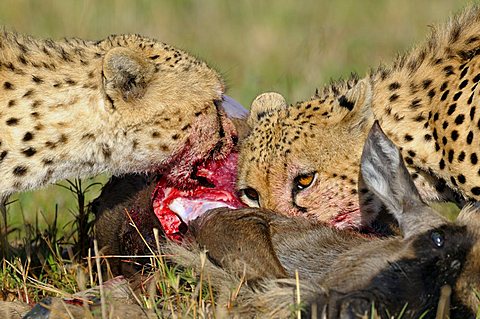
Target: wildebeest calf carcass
x: 433, y: 267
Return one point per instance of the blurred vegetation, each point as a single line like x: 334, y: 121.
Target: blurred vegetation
x: 291, y: 47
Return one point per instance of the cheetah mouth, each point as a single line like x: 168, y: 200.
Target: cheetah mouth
x: 181, y: 168
x: 175, y: 207
x: 203, y: 183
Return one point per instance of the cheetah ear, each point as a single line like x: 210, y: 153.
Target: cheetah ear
x: 126, y: 74
x: 263, y: 104
x: 358, y: 102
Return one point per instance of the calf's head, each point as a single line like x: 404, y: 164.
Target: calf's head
x: 433, y: 252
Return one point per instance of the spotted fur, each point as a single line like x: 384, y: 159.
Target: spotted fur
x: 427, y: 103
x: 123, y: 104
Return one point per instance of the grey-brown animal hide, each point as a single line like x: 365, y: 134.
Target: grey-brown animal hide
x: 123, y: 198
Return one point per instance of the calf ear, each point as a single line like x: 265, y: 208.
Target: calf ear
x: 265, y: 103
x: 126, y: 74
x: 384, y: 173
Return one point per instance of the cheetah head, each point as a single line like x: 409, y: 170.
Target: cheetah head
x: 303, y: 159
x: 168, y: 108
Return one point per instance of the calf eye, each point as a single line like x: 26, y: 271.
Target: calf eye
x: 438, y: 238
x: 250, y: 197
x: 304, y: 180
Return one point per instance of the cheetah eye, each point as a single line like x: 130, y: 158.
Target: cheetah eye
x: 304, y: 180
x: 438, y: 238
x: 250, y: 197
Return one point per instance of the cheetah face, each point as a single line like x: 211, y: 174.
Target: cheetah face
x: 292, y: 163
x: 170, y: 108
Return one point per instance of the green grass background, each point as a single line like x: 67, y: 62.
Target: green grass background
x: 291, y: 47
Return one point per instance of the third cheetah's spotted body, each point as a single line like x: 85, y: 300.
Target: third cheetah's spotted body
x: 427, y: 102
x: 124, y: 104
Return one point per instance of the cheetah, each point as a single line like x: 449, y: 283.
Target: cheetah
x: 302, y: 159
x: 124, y: 104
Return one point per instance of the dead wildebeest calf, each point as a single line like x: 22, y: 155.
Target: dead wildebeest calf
x: 343, y: 273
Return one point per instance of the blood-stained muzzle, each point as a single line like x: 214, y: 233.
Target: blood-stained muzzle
x: 175, y: 207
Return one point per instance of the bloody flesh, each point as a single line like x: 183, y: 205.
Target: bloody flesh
x: 175, y: 207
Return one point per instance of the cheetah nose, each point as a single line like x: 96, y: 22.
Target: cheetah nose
x: 233, y: 109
